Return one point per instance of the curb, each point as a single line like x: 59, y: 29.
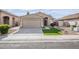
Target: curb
x: 38, y: 41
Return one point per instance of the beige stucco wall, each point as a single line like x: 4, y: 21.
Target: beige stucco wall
x: 2, y: 14
x: 60, y: 23
x: 50, y: 20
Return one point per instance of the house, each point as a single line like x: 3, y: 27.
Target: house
x: 8, y: 18
x: 36, y: 20
x: 70, y: 20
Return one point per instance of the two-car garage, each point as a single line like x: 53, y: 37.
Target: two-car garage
x: 28, y: 23
x: 31, y: 21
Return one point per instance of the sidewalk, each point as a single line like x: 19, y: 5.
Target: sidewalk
x: 65, y: 37
x: 41, y: 38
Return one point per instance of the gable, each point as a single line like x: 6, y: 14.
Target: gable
x: 38, y: 15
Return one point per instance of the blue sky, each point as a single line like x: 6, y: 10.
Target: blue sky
x: 56, y: 13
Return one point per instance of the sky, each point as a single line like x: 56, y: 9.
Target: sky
x: 55, y: 13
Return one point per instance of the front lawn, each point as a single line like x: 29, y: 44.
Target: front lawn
x: 51, y: 31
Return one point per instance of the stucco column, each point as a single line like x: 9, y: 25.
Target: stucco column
x: 2, y: 20
x: 42, y: 23
x: 21, y: 22
x: 10, y: 21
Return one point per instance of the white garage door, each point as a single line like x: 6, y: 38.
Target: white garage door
x: 32, y: 23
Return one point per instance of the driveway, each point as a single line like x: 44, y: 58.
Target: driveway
x: 25, y: 34
x: 30, y: 31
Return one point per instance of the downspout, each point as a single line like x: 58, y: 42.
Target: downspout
x: 0, y: 16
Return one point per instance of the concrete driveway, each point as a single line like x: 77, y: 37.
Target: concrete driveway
x: 30, y: 31
x: 25, y: 34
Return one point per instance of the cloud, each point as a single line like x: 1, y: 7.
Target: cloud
x: 56, y: 13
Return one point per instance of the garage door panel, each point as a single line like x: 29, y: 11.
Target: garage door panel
x: 31, y: 23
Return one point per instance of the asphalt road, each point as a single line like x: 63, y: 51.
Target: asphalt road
x: 40, y: 45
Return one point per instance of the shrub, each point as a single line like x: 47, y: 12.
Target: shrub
x: 54, y: 24
x: 4, y: 28
x: 74, y: 25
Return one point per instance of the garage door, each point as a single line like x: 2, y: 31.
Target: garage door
x: 32, y: 23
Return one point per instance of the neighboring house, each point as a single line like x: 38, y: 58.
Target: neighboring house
x: 8, y: 18
x: 60, y: 23
x: 70, y: 20
x: 36, y: 20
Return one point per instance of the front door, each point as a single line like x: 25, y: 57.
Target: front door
x: 45, y: 21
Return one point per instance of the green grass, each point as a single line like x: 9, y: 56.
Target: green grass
x: 51, y: 31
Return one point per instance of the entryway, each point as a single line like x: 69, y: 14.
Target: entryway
x: 6, y: 20
x: 45, y: 21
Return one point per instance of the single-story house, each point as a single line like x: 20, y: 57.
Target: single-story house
x: 70, y: 20
x: 36, y: 20
x: 8, y: 18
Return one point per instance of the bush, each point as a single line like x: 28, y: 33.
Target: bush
x: 4, y: 28
x: 74, y: 25
x: 54, y: 24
